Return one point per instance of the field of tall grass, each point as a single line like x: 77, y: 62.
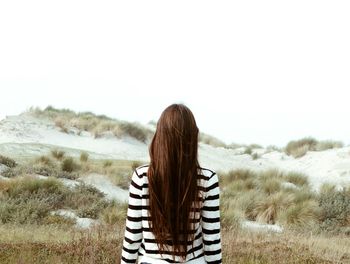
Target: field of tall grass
x: 316, y: 225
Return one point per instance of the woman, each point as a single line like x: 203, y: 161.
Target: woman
x: 173, y: 214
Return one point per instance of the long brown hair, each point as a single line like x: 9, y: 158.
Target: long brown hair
x: 172, y: 177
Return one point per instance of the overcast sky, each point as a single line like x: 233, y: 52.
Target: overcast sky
x: 251, y: 71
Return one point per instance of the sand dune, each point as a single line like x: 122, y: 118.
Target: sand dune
x: 26, y: 135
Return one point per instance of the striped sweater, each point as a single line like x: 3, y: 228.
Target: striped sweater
x: 139, y: 242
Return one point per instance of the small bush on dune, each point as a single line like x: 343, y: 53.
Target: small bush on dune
x: 235, y: 187
x: 30, y: 186
x: 114, y: 214
x: 270, y: 174
x: 58, y: 220
x: 299, y: 179
x: 248, y: 151
x: 266, y: 211
x: 69, y: 165
x: 210, y: 140
x: 255, y: 146
x: 57, y: 154
x: 335, y: 209
x: 107, y: 163
x: 270, y: 148
x: 7, y: 161
x: 62, y: 124
x: 234, y: 145
x: 231, y: 219
x: 255, y: 156
x: 44, y: 160
x: 298, y: 148
x: 134, y: 130
x: 24, y: 211
x: 29, y: 200
x: 328, y: 144
x: 303, y: 195
x: 238, y: 174
x: 84, y: 156
x: 248, y: 201
x: 327, y: 188
x: 92, y: 210
x: 301, y: 215
x: 270, y: 185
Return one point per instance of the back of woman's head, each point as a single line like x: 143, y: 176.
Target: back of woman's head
x: 172, y: 176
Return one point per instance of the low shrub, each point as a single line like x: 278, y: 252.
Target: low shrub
x: 298, y: 148
x: 57, y: 154
x: 335, y: 210
x: 69, y: 165
x: 7, y: 161
x: 84, y: 156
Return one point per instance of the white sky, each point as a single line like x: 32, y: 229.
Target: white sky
x: 251, y: 71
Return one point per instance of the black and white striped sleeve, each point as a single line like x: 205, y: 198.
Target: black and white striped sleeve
x: 133, y: 229
x: 211, y: 222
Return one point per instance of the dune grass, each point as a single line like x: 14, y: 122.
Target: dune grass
x: 97, y: 125
x: 315, y: 224
x: 264, y: 197
x: 298, y: 148
x: 7, y: 161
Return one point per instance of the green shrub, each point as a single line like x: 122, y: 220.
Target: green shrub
x: 29, y: 200
x: 30, y: 186
x: 7, y: 161
x: 23, y: 211
x: 335, y: 210
x: 92, y: 210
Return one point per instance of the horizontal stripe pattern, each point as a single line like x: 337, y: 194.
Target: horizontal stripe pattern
x: 139, y: 241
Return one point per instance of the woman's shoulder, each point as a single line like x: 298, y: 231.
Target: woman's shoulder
x: 208, y: 173
x: 142, y: 170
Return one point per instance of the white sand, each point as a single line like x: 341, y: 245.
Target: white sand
x: 255, y: 226
x: 103, y: 184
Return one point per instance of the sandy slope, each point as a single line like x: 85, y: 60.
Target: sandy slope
x: 26, y: 135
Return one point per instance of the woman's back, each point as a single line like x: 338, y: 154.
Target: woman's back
x: 173, y: 214
x: 139, y: 241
